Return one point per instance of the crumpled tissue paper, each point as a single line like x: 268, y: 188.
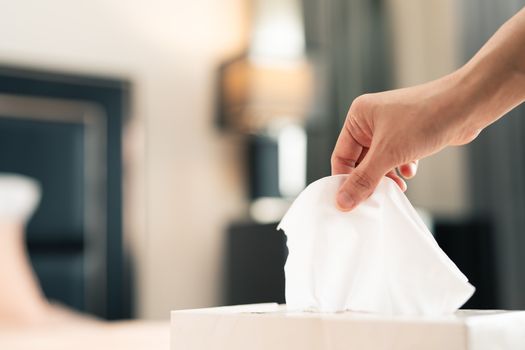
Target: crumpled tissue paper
x: 378, y: 258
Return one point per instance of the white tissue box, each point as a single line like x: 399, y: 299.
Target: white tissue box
x: 271, y: 326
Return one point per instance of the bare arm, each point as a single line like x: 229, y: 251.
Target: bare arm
x: 493, y: 80
x: 393, y: 129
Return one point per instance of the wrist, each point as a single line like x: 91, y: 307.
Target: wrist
x: 490, y: 86
x: 457, y: 106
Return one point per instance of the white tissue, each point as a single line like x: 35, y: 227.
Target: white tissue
x: 378, y: 258
x: 19, y: 197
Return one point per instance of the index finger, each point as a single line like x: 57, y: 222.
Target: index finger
x: 347, y: 152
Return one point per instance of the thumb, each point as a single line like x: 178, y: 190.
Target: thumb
x: 361, y: 183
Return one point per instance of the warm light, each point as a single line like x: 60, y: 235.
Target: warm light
x: 266, y: 210
x: 292, y: 160
x: 256, y: 95
x: 278, y: 31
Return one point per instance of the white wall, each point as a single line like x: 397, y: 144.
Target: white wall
x: 187, y: 183
x: 426, y: 41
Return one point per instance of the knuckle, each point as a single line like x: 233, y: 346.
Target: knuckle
x: 361, y: 106
x: 347, y: 162
x: 362, y: 181
x: 333, y: 158
x: 391, y: 155
x: 360, y: 103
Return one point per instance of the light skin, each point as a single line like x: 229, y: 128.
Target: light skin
x: 22, y: 303
x: 21, y: 300
x: 392, y: 130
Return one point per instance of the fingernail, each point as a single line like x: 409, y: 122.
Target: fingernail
x: 344, y: 201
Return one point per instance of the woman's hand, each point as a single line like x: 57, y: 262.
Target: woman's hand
x: 393, y: 130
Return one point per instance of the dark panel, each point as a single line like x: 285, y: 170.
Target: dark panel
x: 470, y: 245
x: 263, y: 164
x: 256, y: 255
x: 51, y: 153
x: 61, y: 277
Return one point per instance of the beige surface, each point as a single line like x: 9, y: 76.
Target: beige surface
x: 129, y: 335
x: 271, y: 326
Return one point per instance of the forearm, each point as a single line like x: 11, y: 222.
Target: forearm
x: 493, y: 81
x: 392, y: 128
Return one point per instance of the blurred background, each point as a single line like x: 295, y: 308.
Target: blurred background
x: 169, y: 137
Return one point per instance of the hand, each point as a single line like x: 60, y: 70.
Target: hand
x: 394, y: 129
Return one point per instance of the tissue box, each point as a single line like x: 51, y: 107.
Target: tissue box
x: 271, y: 326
